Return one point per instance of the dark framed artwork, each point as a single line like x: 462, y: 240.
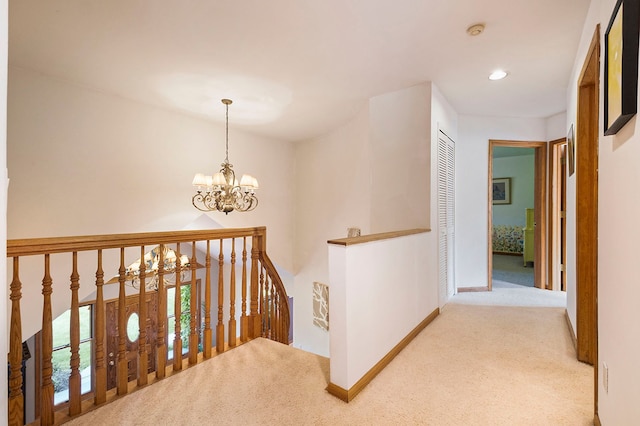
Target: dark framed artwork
x: 621, y: 66
x: 501, y: 191
x: 571, y: 150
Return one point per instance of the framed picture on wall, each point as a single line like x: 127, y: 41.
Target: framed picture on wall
x: 621, y: 66
x: 571, y: 150
x: 501, y: 191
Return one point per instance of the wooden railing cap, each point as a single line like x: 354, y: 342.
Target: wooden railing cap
x: 33, y: 246
x: 377, y: 237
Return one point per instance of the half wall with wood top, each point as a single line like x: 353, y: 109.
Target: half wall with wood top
x: 380, y: 298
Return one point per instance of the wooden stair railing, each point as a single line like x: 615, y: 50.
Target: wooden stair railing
x: 268, y: 314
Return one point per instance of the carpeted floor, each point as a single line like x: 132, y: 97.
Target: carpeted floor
x: 474, y: 365
x: 508, y: 294
x: 511, y: 269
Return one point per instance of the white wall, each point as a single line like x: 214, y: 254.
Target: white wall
x: 400, y: 132
x: 375, y: 173
x: 618, y: 236
x: 521, y: 171
x: 369, y: 279
x: 557, y: 126
x: 443, y: 117
x: 472, y: 186
x: 3, y: 200
x: 333, y: 180
x: 84, y: 162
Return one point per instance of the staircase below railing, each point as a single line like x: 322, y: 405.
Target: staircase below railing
x: 258, y: 292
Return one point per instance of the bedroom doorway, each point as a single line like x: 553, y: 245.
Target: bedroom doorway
x: 524, y: 226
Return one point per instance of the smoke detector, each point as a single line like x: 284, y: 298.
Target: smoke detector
x: 475, y: 30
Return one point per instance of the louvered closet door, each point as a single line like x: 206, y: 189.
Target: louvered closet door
x: 446, y: 216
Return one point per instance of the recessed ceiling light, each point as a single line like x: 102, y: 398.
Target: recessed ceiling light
x: 498, y: 75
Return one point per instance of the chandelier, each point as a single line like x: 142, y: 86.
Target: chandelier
x: 151, y: 262
x: 221, y: 191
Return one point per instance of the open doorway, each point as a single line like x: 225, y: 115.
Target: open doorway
x: 512, y: 216
x: 557, y: 275
x: 517, y: 233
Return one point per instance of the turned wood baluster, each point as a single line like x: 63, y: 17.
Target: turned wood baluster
x: 207, y: 305
x: 74, y: 333
x: 193, y: 308
x: 264, y: 308
x: 273, y: 313
x: 16, y: 400
x: 123, y: 365
x: 279, y: 317
x: 277, y: 313
x: 177, y: 339
x: 101, y: 368
x: 284, y: 331
x: 143, y: 357
x: 220, y: 326
x: 254, y: 316
x: 46, y: 392
x: 232, y: 290
x: 244, y: 319
x: 161, y: 345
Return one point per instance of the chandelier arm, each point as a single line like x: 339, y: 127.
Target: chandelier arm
x: 246, y: 202
x: 199, y: 198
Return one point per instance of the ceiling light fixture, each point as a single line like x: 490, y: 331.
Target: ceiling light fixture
x: 475, y: 30
x: 221, y: 191
x: 498, y: 75
x: 152, y: 260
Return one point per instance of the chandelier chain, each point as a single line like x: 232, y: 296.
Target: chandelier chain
x: 227, y: 133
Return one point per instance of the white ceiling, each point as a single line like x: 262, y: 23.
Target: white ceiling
x: 300, y: 68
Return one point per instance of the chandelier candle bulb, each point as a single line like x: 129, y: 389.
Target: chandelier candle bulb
x: 222, y: 192
x: 160, y: 254
x: 217, y: 180
x: 199, y: 180
x: 247, y: 180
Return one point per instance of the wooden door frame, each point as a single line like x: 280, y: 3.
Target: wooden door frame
x: 540, y: 208
x: 587, y: 144
x: 556, y: 191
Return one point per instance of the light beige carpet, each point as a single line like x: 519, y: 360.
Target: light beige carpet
x: 474, y: 365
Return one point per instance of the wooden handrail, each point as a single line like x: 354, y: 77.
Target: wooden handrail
x: 268, y: 316
x: 283, y: 336
x: 51, y: 245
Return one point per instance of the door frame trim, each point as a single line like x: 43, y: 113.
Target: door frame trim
x: 586, y: 205
x: 555, y: 204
